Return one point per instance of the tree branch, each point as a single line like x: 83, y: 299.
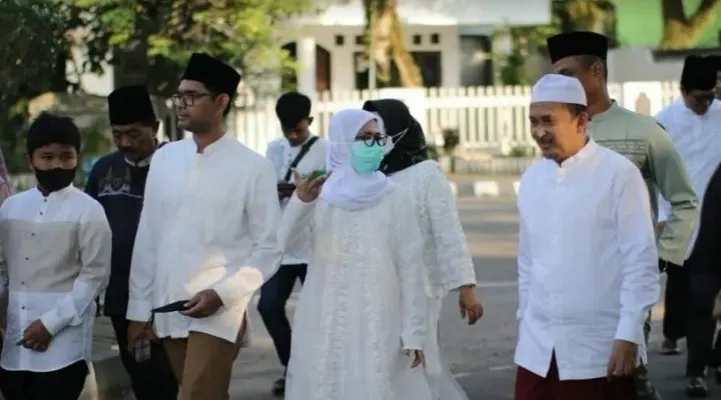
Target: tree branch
x: 672, y: 10
x: 706, y: 11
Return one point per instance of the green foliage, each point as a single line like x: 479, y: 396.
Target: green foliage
x: 566, y: 16
x: 521, y: 151
x: 147, y: 41
x: 166, y: 32
x: 33, y: 58
x: 433, y: 152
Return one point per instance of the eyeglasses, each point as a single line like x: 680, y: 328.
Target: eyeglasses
x: 372, y: 138
x: 188, y: 99
x: 133, y: 136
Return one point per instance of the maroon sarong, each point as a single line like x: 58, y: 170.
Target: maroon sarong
x: 530, y: 386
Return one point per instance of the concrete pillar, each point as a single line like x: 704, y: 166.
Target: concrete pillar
x: 305, y: 50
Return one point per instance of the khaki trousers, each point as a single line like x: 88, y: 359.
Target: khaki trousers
x: 203, y: 364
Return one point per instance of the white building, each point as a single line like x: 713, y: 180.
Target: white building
x: 450, y: 39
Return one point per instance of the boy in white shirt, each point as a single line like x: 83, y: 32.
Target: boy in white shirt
x: 55, y: 245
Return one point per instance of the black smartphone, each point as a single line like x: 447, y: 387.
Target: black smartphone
x: 172, y: 307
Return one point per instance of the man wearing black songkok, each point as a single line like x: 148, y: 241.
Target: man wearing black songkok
x: 694, y: 124
x: 117, y: 182
x: 643, y: 141
x: 207, y: 237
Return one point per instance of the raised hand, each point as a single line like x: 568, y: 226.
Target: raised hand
x: 308, y: 189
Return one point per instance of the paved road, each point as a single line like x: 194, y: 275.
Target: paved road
x: 480, y: 356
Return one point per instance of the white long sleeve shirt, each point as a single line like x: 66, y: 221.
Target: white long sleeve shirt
x: 282, y: 154
x: 209, y: 221
x: 55, y: 260
x: 587, y: 262
x: 698, y: 140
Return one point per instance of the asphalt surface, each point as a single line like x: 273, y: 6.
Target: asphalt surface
x: 480, y: 355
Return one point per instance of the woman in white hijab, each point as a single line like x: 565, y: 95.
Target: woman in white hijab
x: 361, y: 319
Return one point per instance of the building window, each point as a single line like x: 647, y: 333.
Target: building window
x: 339, y: 40
x: 429, y: 63
x: 359, y: 40
x: 417, y: 40
x: 435, y: 38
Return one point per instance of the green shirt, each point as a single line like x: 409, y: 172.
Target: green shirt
x: 643, y: 141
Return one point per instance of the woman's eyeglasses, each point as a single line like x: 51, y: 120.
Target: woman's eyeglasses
x: 371, y: 139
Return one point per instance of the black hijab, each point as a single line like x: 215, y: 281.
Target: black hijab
x: 409, y: 149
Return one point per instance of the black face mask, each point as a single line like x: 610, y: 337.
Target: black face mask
x: 128, y: 151
x: 54, y: 179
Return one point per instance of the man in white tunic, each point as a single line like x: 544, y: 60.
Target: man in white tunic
x: 587, y: 258
x: 362, y: 311
x: 694, y: 124
x: 55, y: 245
x: 207, y: 236
x: 297, y: 149
x: 448, y: 262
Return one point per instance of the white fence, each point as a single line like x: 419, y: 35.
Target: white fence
x: 486, y: 117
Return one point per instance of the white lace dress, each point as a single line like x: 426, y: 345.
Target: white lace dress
x: 446, y: 256
x: 362, y: 303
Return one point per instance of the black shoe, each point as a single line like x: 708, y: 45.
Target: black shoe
x: 279, y: 387
x: 669, y: 348
x: 717, y: 374
x: 644, y: 388
x: 696, y: 388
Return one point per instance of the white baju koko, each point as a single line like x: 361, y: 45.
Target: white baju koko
x: 698, y: 140
x: 446, y: 257
x: 587, y: 262
x: 363, y: 302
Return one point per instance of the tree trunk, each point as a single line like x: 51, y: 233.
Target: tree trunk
x: 681, y: 32
x: 385, y: 40
x: 590, y: 15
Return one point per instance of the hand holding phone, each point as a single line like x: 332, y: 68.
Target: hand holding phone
x: 317, y: 173
x: 285, y: 189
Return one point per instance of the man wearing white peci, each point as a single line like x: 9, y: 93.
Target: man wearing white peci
x: 587, y: 258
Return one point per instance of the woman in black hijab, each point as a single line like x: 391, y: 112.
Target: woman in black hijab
x: 447, y: 258
x: 409, y: 142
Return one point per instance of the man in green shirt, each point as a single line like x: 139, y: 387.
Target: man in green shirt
x: 642, y: 140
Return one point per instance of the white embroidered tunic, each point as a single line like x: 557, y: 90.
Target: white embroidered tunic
x: 446, y: 256
x: 587, y: 262
x: 363, y: 302
x: 448, y: 261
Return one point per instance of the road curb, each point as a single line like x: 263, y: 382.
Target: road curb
x: 485, y: 188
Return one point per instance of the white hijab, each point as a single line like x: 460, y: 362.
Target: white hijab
x: 345, y: 188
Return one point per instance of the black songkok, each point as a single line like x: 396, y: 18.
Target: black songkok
x: 130, y: 104
x: 291, y: 108
x: 577, y: 44
x: 698, y: 74
x: 213, y: 73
